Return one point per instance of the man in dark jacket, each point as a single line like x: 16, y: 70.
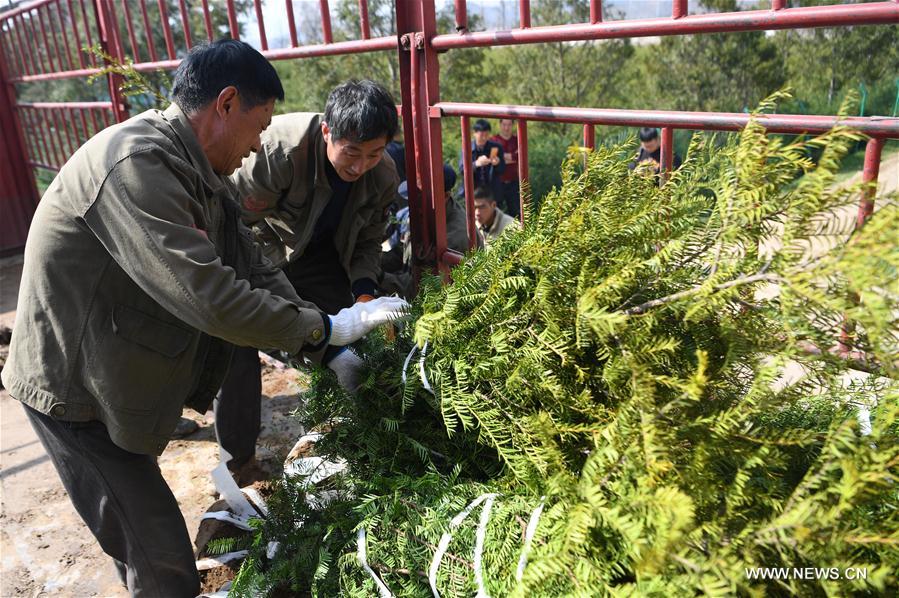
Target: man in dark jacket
x: 318, y: 195
x: 138, y: 280
x: 487, y: 159
x: 650, y: 155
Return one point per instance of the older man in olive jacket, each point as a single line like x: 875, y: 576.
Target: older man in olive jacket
x: 138, y: 280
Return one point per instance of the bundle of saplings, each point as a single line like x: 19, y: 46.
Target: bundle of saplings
x: 635, y: 394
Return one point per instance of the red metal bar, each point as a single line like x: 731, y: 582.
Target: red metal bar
x: 778, y: 4
x: 260, y: 22
x: 65, y: 105
x: 65, y: 38
x: 131, y: 37
x: 523, y: 174
x: 7, y: 49
x: 666, y: 151
x: 32, y: 133
x: 595, y: 11
x: 326, y: 21
x: 232, y: 21
x: 166, y: 28
x: 105, y: 116
x: 678, y: 9
x: 805, y: 17
x: 27, y: 56
x: 468, y: 179
x: 590, y: 136
x: 87, y: 31
x: 461, y: 16
x: 93, y: 116
x: 55, y: 37
x: 53, y: 138
x: 421, y: 171
x: 74, y: 21
x: 524, y: 13
x: 148, y: 30
x: 291, y: 23
x: 717, y: 121
x: 873, y: 151
x: 185, y: 24
x: 451, y: 258
x: 67, y: 124
x: 364, y: 25
x: 34, y: 164
x: 107, y: 25
x: 207, y: 19
x: 43, y: 25
x: 85, y: 134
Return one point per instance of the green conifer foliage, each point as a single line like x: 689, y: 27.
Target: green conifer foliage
x: 622, y: 359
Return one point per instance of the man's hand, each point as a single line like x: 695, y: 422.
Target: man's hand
x: 352, y: 323
x: 347, y: 366
x: 482, y: 161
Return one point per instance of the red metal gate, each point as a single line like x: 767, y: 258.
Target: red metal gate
x: 41, y: 41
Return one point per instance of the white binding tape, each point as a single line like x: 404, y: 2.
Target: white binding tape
x: 448, y: 536
x: 528, y: 537
x: 363, y: 560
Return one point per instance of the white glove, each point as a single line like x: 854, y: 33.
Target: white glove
x: 352, y: 323
x: 347, y: 365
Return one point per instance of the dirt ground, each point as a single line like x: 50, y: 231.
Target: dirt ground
x: 45, y: 548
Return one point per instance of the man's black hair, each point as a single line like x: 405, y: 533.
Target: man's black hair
x: 481, y: 125
x: 484, y: 192
x: 648, y: 134
x: 360, y: 111
x: 211, y: 67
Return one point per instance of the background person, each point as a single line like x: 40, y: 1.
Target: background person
x: 650, y: 154
x: 509, y: 189
x: 486, y: 158
x: 491, y: 220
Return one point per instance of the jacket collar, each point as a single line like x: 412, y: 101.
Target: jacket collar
x: 180, y: 124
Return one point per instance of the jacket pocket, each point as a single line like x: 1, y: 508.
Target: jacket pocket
x: 139, y: 366
x: 149, y: 332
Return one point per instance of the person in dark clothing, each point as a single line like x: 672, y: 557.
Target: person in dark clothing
x: 510, y: 193
x: 486, y: 158
x: 396, y: 150
x: 650, y: 154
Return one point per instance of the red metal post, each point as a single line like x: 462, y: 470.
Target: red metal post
x: 260, y: 21
x: 87, y: 30
x: 873, y: 151
x: 232, y: 20
x: 468, y: 183
x: 291, y: 23
x: 666, y: 153
x: 148, y: 31
x: 207, y: 19
x: 166, y: 28
x: 27, y: 56
x: 74, y: 22
x: 18, y: 190
x: 778, y: 4
x: 132, y: 38
x: 363, y: 19
x: 524, y: 13
x: 590, y: 136
x: 106, y: 25
x: 326, y: 21
x: 65, y: 38
x: 43, y: 26
x: 522, y: 156
x: 185, y: 23
x: 461, y: 11
x: 596, y: 11
x: 678, y: 9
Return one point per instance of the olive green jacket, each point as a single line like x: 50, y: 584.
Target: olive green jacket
x: 284, y: 189
x: 136, y: 269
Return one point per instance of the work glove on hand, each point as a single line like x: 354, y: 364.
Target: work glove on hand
x: 352, y: 323
x: 347, y: 365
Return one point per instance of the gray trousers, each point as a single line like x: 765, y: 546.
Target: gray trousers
x: 126, y: 504
x: 319, y: 279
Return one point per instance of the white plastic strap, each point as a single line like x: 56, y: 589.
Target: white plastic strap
x: 408, y: 359
x: 448, y: 536
x: 257, y: 499
x: 363, y: 560
x: 421, y: 369
x: 218, y: 561
x: 528, y: 537
x: 231, y: 518
x: 479, y: 547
